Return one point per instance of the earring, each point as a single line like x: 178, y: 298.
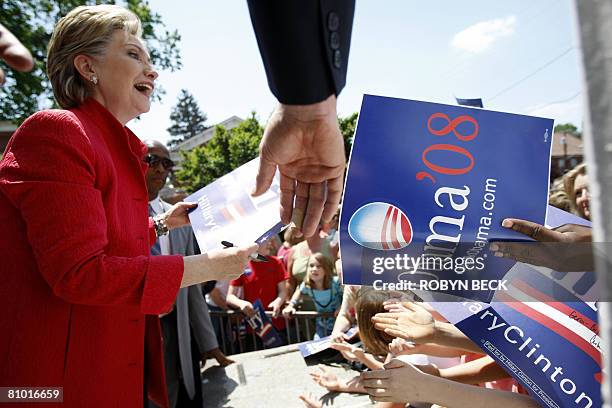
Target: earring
x: 94, y: 79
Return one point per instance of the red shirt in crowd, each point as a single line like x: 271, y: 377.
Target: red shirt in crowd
x: 260, y: 281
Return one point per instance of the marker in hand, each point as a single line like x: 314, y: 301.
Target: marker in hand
x: 254, y: 256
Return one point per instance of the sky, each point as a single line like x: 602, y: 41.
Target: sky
x: 520, y: 56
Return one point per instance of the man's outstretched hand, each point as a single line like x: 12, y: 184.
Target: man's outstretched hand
x: 13, y: 53
x: 305, y: 143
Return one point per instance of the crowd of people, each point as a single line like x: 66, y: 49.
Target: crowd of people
x: 110, y: 276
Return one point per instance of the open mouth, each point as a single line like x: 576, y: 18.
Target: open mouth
x: 144, y: 88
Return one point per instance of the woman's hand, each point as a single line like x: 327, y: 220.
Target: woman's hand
x: 398, y: 382
x: 338, y: 336
x: 399, y: 347
x: 310, y: 401
x: 416, y: 324
x: 221, y: 264
x: 350, y: 352
x: 326, y: 379
x: 178, y: 215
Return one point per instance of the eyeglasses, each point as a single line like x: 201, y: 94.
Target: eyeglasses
x: 153, y: 160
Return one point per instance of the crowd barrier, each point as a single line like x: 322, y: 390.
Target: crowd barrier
x: 234, y: 337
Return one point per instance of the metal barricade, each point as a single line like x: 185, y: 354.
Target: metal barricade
x: 234, y: 337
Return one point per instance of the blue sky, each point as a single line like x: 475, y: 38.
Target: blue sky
x: 520, y: 56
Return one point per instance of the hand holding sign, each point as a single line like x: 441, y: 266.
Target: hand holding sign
x: 567, y: 248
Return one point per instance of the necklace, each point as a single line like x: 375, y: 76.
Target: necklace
x: 331, y: 297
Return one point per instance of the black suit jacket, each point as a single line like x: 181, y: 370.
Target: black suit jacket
x: 304, y: 45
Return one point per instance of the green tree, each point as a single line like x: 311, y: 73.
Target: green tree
x: 187, y: 119
x: 568, y: 128
x: 347, y: 128
x: 32, y: 21
x: 226, y: 151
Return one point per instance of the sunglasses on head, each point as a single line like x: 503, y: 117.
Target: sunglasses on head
x: 153, y: 160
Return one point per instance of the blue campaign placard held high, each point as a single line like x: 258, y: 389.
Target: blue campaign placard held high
x: 433, y: 182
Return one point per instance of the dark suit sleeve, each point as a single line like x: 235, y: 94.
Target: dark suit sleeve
x: 304, y: 45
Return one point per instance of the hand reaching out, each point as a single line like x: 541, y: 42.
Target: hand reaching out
x: 416, y: 325
x: 310, y: 401
x: 398, y: 382
x: 350, y: 352
x: 326, y: 379
x: 13, y: 53
x: 305, y: 143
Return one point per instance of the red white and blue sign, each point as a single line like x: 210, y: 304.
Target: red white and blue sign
x: 434, y: 180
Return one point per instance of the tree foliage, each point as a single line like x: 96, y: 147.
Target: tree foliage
x: 229, y: 149
x: 187, y: 119
x: 226, y: 151
x: 347, y: 128
x: 568, y: 128
x: 32, y: 21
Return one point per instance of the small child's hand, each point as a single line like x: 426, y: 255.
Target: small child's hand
x: 288, y: 311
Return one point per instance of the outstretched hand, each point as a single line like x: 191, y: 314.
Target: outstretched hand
x: 304, y: 142
x: 326, y: 379
x: 398, y: 382
x: 416, y: 324
x: 349, y: 351
x: 13, y: 53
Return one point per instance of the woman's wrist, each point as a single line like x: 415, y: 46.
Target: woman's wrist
x: 191, y: 274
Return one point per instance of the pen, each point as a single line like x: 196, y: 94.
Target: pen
x: 254, y: 256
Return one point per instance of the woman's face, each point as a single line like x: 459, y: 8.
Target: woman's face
x: 316, y: 271
x: 581, y: 190
x: 125, y: 77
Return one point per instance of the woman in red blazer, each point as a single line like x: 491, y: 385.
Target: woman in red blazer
x: 80, y: 294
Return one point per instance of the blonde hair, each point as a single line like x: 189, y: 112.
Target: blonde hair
x: 291, y: 236
x: 568, y: 181
x: 85, y: 30
x: 328, y: 267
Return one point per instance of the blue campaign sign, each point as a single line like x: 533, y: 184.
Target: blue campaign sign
x: 551, y: 345
x: 430, y: 181
x: 263, y: 328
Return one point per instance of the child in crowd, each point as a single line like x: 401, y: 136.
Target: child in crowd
x: 264, y: 281
x: 323, y: 288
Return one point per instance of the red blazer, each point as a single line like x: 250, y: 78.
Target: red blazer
x: 76, y: 278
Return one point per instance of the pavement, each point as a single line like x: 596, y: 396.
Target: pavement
x: 272, y: 378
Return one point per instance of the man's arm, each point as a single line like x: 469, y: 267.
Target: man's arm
x: 304, y: 46
x: 234, y: 301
